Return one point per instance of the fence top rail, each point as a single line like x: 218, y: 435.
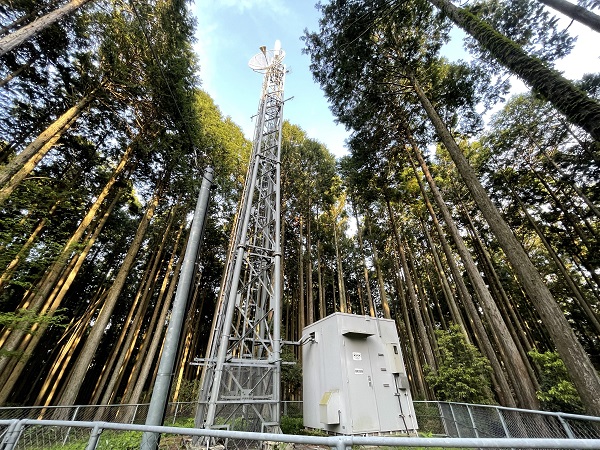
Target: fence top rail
x: 116, y: 405
x: 330, y: 441
x: 506, y: 408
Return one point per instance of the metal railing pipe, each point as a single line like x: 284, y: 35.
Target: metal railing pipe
x: 331, y: 441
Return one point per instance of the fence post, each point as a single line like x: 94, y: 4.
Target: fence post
x: 134, y: 413
x: 343, y: 443
x: 566, y: 426
x: 504, y: 427
x: 12, y: 434
x: 176, y: 411
x: 69, y: 429
x: 473, y: 421
x: 454, y: 420
x: 94, y: 436
x: 442, y: 418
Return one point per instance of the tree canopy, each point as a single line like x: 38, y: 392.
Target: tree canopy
x: 477, y: 235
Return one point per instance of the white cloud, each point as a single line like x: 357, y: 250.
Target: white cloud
x: 228, y: 33
x: 206, y: 36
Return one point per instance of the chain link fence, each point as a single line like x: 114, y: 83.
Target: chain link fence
x: 133, y: 414
x: 461, y: 420
x: 67, y: 435
x: 121, y: 427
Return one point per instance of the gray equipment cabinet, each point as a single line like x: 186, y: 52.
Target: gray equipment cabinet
x: 354, y: 380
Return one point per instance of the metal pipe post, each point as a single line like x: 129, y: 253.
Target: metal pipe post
x: 162, y: 385
x: 11, y: 436
x: 94, y: 437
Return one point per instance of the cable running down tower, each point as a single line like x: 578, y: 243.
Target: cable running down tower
x: 241, y: 379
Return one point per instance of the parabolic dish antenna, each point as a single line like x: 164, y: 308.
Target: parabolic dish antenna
x: 266, y: 58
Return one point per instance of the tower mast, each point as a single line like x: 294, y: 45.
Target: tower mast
x: 242, y: 376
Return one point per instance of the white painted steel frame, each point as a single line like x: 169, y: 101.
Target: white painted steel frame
x: 241, y: 380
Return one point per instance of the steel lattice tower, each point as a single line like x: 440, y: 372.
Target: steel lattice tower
x: 241, y: 379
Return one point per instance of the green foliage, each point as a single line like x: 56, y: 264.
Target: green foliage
x: 463, y: 374
x: 187, y: 422
x: 312, y: 432
x: 557, y: 392
x: 292, y: 425
x: 24, y: 319
x: 188, y: 391
x: 120, y: 440
x: 566, y: 97
x: 528, y: 24
x: 291, y: 374
x: 238, y: 423
x: 139, y: 63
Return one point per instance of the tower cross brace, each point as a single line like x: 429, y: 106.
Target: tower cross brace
x: 240, y: 384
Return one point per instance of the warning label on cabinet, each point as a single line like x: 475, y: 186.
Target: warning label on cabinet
x: 358, y: 371
x: 356, y: 356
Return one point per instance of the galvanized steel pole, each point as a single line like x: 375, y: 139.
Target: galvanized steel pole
x: 162, y: 384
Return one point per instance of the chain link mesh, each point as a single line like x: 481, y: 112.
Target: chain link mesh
x: 482, y: 421
x: 35, y: 437
x: 584, y: 429
x: 436, y: 418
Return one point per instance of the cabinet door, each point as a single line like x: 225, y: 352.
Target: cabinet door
x: 361, y: 394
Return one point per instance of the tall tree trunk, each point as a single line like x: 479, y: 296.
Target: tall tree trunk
x: 438, y: 306
x: 422, y: 297
x: 573, y: 102
x: 24, y: 18
x: 378, y: 272
x: 412, y: 295
x: 575, y: 12
x: 24, y: 250
x: 30, y: 341
x: 503, y: 301
x: 113, y: 369
x: 501, y: 385
x: 74, y: 336
x: 97, y: 330
x: 361, y: 249
x: 455, y: 313
x: 582, y: 372
x: 137, y: 313
x: 21, y: 165
x: 579, y: 296
x: 567, y: 213
x: 516, y: 367
x: 591, y: 279
x: 310, y: 307
x: 340, y: 270
x: 333, y: 292
x: 186, y: 351
x: 573, y: 185
x: 16, y: 38
x: 301, y: 305
x: 147, y: 340
x: 320, y: 282
x: 414, y: 353
x: 48, y: 283
x: 154, y: 338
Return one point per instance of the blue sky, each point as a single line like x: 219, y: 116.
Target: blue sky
x: 230, y: 32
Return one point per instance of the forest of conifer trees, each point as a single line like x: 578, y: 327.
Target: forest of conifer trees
x: 477, y: 234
